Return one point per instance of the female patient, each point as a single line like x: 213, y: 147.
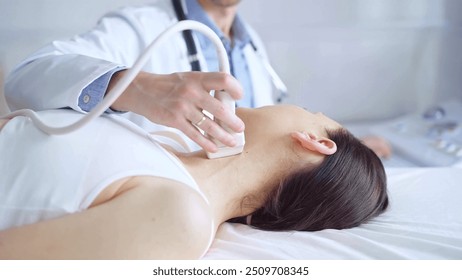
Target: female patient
x: 137, y: 198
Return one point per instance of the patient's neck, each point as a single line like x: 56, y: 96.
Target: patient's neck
x: 226, y: 181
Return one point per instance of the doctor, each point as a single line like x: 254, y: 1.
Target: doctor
x: 76, y: 73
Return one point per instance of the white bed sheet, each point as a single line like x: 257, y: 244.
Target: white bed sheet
x: 424, y: 221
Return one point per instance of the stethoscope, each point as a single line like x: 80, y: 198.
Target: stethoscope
x: 194, y: 59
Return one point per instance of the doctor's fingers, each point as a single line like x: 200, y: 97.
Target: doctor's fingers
x: 221, y: 112
x: 222, y: 81
x: 191, y: 130
x: 203, y: 122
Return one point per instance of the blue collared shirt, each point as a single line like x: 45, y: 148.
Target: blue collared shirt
x: 94, y: 92
x: 235, y: 49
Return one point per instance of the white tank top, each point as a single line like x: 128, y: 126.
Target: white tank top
x: 44, y: 177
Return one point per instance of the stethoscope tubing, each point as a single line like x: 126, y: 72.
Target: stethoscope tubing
x: 194, y: 61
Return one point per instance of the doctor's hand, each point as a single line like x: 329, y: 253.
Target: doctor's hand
x: 177, y: 100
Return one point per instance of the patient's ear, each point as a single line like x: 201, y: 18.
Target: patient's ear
x: 313, y: 143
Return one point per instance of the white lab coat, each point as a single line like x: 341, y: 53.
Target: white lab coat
x: 54, y: 76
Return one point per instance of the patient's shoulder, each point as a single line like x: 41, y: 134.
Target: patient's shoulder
x: 179, y: 216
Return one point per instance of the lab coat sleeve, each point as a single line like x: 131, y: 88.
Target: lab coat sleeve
x: 58, y: 86
x: 55, y: 76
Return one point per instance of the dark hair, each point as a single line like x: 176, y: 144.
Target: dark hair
x: 345, y: 190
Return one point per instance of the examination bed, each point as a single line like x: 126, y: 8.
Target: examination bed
x: 424, y: 221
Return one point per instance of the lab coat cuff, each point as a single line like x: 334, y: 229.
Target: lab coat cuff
x: 94, y: 93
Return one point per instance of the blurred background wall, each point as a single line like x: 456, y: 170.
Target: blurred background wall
x: 360, y: 59
x: 351, y: 59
